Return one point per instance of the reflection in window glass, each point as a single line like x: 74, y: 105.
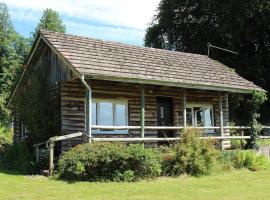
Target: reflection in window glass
x: 120, y: 115
x: 189, y: 116
x: 110, y: 113
x: 105, y: 114
x: 199, y: 116
x: 208, y: 117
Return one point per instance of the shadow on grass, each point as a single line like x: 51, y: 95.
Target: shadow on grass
x: 5, y: 170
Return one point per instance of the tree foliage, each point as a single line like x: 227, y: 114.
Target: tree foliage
x: 37, y: 109
x: 13, y: 50
x: 257, y: 99
x: 239, y: 25
x: 50, y: 20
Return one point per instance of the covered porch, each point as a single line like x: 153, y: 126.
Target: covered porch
x: 135, y: 112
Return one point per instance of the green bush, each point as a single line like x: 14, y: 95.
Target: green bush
x: 238, y: 144
x: 109, y: 162
x: 239, y: 159
x: 224, y: 162
x: 43, y: 159
x: 5, y: 139
x: 249, y: 159
x: 17, y: 157
x: 191, y: 156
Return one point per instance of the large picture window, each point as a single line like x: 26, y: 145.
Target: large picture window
x: 200, y: 116
x: 110, y: 113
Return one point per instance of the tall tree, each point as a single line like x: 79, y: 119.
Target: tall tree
x: 239, y: 25
x: 13, y: 50
x: 50, y: 20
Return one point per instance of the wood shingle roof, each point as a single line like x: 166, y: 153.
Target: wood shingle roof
x: 97, y: 58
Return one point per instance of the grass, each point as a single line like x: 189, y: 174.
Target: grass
x: 237, y: 185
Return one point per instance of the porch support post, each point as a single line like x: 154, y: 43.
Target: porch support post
x: 184, y: 110
x: 221, y: 119
x: 142, y: 98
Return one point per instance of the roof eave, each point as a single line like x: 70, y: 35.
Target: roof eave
x: 172, y: 84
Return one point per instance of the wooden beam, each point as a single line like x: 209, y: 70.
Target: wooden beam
x: 146, y: 139
x: 142, y: 98
x: 65, y: 137
x: 51, y: 157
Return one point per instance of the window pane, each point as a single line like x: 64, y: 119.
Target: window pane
x: 120, y: 115
x: 94, y: 114
x: 208, y: 117
x: 189, y: 116
x: 105, y: 114
x: 199, y: 116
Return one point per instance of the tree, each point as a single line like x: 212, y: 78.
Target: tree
x: 50, y: 20
x: 13, y: 50
x: 239, y: 25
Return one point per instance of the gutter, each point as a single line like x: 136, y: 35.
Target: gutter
x: 88, y: 107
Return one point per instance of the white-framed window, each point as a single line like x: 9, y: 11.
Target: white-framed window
x: 110, y: 112
x: 200, y: 115
x: 24, y: 131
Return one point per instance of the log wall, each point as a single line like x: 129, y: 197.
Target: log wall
x: 54, y: 72
x: 73, y: 106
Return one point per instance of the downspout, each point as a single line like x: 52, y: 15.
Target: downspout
x: 88, y: 110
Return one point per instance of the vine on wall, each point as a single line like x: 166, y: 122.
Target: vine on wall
x: 38, y: 111
x: 258, y: 98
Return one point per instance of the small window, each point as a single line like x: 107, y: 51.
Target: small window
x: 110, y: 113
x: 200, y: 116
x: 24, y: 131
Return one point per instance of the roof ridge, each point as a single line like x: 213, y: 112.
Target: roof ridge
x: 122, y: 44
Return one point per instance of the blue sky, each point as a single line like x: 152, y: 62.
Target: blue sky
x: 116, y: 20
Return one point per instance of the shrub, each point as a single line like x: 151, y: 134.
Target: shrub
x: 191, y: 156
x: 109, y: 162
x: 5, y: 139
x: 43, y: 159
x: 224, y: 162
x: 238, y: 144
x: 243, y: 159
x: 17, y: 157
x: 249, y: 159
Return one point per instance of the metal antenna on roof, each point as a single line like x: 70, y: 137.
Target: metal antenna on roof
x: 209, y: 46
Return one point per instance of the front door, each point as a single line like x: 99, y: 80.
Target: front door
x: 164, y: 115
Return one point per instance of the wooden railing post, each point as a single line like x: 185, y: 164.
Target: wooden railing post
x: 142, y: 98
x: 51, y: 156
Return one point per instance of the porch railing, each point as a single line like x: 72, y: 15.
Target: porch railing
x: 51, y: 142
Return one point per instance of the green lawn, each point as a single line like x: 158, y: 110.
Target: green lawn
x: 232, y: 186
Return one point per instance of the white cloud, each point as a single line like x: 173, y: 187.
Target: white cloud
x: 130, y: 36
x: 131, y: 13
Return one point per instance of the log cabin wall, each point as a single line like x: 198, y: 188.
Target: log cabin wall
x: 73, y: 106
x: 54, y: 72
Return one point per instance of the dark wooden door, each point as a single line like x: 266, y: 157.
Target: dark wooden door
x: 164, y: 115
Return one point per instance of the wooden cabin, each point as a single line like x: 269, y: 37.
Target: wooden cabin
x: 114, y: 90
